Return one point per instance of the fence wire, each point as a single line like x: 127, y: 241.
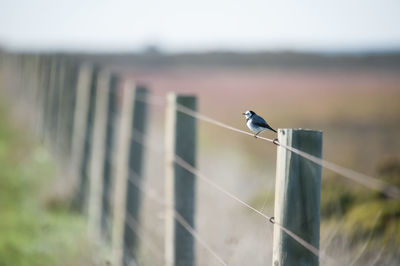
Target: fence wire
x: 371, y: 182
x: 179, y: 218
x: 143, y: 140
x: 374, y: 183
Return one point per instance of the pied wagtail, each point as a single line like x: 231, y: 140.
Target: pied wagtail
x: 256, y: 123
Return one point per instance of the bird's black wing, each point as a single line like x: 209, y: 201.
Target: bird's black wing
x: 261, y: 123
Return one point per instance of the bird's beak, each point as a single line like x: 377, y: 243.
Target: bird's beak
x: 243, y: 114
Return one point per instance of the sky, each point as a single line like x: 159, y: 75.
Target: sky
x: 190, y: 26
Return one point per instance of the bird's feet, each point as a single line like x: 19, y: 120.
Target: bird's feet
x: 276, y: 142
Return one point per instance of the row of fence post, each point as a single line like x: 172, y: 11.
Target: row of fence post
x: 87, y: 116
x: 94, y: 121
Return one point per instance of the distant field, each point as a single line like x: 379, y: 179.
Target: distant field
x: 357, y: 107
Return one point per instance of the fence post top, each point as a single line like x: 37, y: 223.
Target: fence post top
x: 174, y: 95
x: 307, y: 130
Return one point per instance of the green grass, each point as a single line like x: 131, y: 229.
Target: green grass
x: 32, y: 232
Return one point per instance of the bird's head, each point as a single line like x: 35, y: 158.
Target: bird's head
x: 248, y: 114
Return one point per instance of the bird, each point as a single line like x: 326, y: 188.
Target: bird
x: 256, y: 123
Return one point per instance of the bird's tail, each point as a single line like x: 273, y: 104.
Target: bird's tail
x: 270, y: 128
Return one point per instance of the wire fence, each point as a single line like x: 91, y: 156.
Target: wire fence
x: 103, y: 120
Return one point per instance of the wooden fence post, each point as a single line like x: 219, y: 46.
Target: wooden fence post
x: 180, y: 183
x: 72, y: 85
x: 31, y: 88
x: 97, y: 155
x: 40, y: 98
x: 109, y: 154
x: 66, y: 106
x: 45, y: 97
x: 88, y: 131
x: 49, y: 95
x: 61, y: 109
x: 297, y: 197
x: 120, y: 172
x: 80, y: 114
x: 55, y: 101
x: 133, y: 197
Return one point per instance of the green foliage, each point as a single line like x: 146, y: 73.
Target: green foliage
x: 376, y: 216
x: 335, y: 199
x: 30, y: 233
x: 365, y: 211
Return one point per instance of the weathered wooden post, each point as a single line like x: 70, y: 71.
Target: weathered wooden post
x: 88, y: 132
x: 49, y: 95
x: 180, y: 183
x: 71, y: 100
x: 80, y: 114
x: 109, y: 154
x: 61, y: 109
x: 31, y: 88
x: 120, y: 172
x: 40, y: 99
x: 136, y: 161
x: 297, y: 197
x: 66, y: 106
x: 55, y: 108
x: 45, y: 97
x: 97, y: 155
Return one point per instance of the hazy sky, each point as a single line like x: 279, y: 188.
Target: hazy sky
x: 184, y: 25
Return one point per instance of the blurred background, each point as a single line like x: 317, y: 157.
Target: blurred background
x: 331, y: 66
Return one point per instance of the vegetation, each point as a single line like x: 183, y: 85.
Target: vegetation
x: 366, y: 211
x: 33, y: 230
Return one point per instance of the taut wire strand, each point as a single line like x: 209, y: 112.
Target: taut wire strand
x: 271, y: 219
x: 133, y: 179
x: 371, y: 182
x: 142, y: 139
x: 368, y: 181
x: 195, y: 114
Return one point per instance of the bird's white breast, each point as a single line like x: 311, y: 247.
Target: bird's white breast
x: 253, y: 127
